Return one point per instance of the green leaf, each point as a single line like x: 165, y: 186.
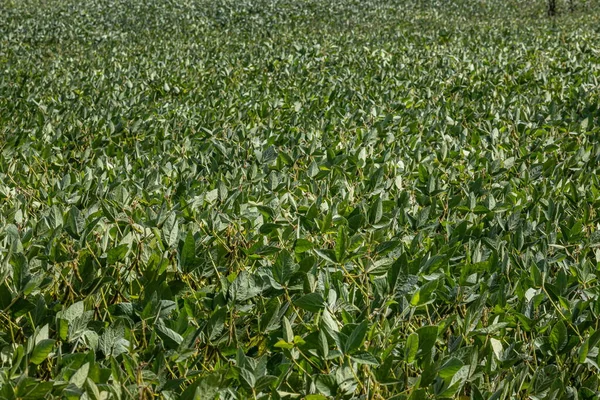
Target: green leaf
x: 283, y: 268
x: 315, y: 397
x: 326, y: 384
x: 302, y: 246
x: 365, y: 358
x: 497, y: 348
x: 282, y: 344
x: 63, y: 328
x: 425, y: 294
x: 376, y: 211
x: 247, y: 377
x: 113, y: 342
x: 288, y: 333
x: 583, y: 351
x: 270, y: 320
x: 74, y: 223
x: 412, y: 346
x: 216, y: 323
x: 418, y: 394
x: 313, y: 170
x: 21, y: 272
x: 41, y: 350
x: 312, y: 302
x: 170, y: 230
x: 187, y: 258
x: 329, y: 323
x: 117, y: 254
x: 559, y: 337
x: 29, y: 388
x: 327, y: 255
x: 91, y: 339
x: 476, y: 393
x: 5, y: 296
x: 204, y: 388
x: 79, y: 377
x: 341, y: 244
x: 264, y: 382
x: 357, y: 337
x: 427, y: 339
x: 449, y: 368
x: 269, y: 227
x: 170, y: 338
x: 75, y: 311
x: 386, y: 247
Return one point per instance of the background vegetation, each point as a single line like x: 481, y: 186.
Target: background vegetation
x: 299, y: 199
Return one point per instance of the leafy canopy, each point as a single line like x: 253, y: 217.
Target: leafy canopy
x: 299, y: 199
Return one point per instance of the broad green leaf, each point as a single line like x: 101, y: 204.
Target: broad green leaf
x: 365, y: 358
x: 497, y: 348
x: 203, y: 388
x: 418, y: 394
x: 264, y: 382
x: 112, y: 341
x: 247, y: 377
x: 21, y: 272
x: 288, y: 333
x: 270, y: 319
x: 558, y: 336
x: 117, y: 254
x: 326, y: 384
x: 187, y: 258
x: 328, y: 322
x: 41, y: 350
x: 449, y: 368
x: 216, y: 323
x: 376, y: 211
x: 79, y: 377
x: 427, y: 338
x: 315, y: 397
x: 425, y: 294
x: 74, y: 223
x: 327, y: 255
x: 245, y: 286
x: 302, y: 246
x: 75, y: 311
x: 312, y: 302
x: 5, y: 296
x: 356, y: 338
x: 283, y: 268
x: 412, y: 346
x: 583, y: 351
x: 282, y: 344
x: 170, y: 230
x: 341, y: 244
x: 170, y: 338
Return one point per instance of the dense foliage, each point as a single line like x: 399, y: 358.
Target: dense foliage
x: 299, y: 199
